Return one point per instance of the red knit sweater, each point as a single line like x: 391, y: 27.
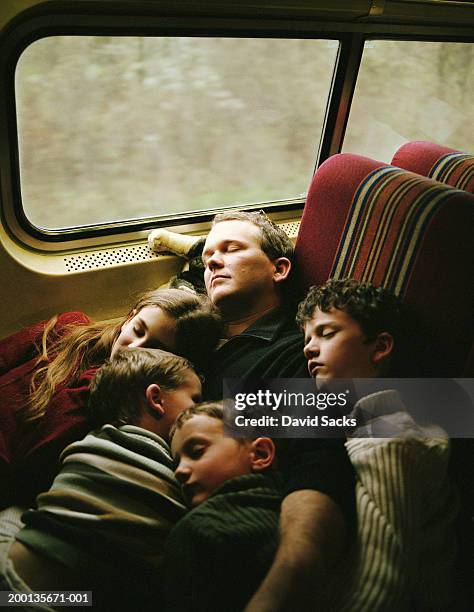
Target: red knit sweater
x: 29, y: 453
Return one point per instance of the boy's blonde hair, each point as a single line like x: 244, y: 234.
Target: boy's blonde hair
x: 215, y: 410
x: 117, y: 393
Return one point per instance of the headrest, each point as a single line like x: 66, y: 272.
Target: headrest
x: 437, y: 162
x: 381, y: 224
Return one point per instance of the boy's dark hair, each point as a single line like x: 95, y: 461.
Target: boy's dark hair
x: 117, y: 392
x: 375, y: 309
x: 214, y: 410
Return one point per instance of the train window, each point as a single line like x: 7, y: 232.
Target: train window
x: 120, y: 128
x: 409, y: 90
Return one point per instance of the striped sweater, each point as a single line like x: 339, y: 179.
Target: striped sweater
x: 109, y: 510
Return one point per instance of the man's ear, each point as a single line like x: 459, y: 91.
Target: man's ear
x: 383, y: 348
x: 262, y: 454
x: 282, y: 269
x: 154, y: 399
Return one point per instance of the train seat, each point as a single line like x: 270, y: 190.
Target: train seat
x: 377, y: 223
x: 437, y: 162
x: 327, y: 204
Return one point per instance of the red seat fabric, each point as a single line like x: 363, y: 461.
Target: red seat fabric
x: 437, y: 162
x: 381, y: 224
x: 325, y: 212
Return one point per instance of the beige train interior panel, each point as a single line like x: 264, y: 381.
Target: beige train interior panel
x: 103, y: 278
x: 102, y: 282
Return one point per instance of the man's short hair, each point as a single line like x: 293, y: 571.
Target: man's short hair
x: 117, y: 393
x: 274, y: 241
x: 375, y: 309
x: 215, y: 410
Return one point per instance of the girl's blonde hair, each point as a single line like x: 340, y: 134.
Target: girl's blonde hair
x: 80, y: 347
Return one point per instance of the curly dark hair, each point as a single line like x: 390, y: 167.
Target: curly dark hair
x: 375, y: 309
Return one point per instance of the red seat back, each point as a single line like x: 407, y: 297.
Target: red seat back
x: 437, y: 162
x: 381, y: 224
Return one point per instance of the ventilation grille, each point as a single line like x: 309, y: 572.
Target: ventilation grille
x: 111, y: 257
x: 291, y: 228
x: 107, y: 258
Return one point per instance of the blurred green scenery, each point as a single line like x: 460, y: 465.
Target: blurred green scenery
x: 116, y: 128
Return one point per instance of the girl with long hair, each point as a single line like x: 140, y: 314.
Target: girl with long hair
x: 46, y: 371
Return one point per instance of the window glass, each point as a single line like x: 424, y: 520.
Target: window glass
x: 116, y: 128
x: 412, y: 91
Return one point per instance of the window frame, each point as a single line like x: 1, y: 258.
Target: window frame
x: 121, y: 19
x: 42, y: 27
x: 461, y: 38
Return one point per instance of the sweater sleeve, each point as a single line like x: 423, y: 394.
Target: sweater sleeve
x: 218, y: 554
x: 22, y: 346
x: 406, y: 510
x: 31, y: 457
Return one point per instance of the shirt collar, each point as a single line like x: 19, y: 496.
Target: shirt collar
x: 267, y: 327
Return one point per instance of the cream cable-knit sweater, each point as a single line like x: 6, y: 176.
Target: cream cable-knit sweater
x: 404, y: 554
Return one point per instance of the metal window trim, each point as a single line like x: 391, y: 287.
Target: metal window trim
x: 59, y: 17
x: 25, y: 34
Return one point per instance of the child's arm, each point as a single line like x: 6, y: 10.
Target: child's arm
x: 317, y: 514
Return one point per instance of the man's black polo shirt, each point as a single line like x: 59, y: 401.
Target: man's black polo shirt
x: 270, y: 348
x: 273, y: 348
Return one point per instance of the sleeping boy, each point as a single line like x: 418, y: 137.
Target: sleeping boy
x: 217, y: 555
x: 405, y: 502
x: 102, y: 525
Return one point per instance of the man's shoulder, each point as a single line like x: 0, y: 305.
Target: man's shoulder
x: 273, y: 333
x: 273, y: 325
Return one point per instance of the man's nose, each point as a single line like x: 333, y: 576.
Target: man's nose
x: 215, y: 261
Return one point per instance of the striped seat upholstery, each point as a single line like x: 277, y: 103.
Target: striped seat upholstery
x: 402, y: 231
x: 437, y: 162
x: 325, y: 212
x: 455, y: 169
